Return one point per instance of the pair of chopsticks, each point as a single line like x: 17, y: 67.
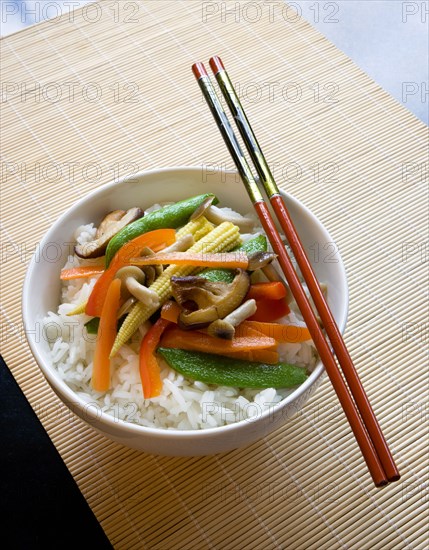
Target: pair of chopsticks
x: 353, y: 398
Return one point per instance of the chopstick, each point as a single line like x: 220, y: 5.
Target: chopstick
x: 361, y: 434
x: 297, y: 248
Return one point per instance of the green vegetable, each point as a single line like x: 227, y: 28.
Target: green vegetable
x: 216, y: 275
x: 92, y: 325
x: 171, y: 216
x: 226, y: 371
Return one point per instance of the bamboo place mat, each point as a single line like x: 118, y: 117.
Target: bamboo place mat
x: 108, y: 90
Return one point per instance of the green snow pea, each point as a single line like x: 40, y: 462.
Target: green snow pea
x: 92, y: 325
x: 220, y: 275
x: 226, y: 371
x: 171, y: 216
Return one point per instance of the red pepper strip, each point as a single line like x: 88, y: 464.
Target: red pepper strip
x: 106, y: 336
x: 267, y: 291
x: 270, y: 310
x: 81, y: 272
x: 149, y: 368
x: 156, y: 240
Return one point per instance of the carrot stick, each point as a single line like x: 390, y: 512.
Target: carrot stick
x: 156, y: 240
x: 106, y: 336
x: 148, y: 363
x: 198, y: 341
x: 280, y: 332
x: 229, y: 260
x: 81, y: 272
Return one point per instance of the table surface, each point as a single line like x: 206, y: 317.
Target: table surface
x: 383, y: 149
x: 388, y: 39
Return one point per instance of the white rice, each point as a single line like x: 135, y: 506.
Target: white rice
x: 183, y: 404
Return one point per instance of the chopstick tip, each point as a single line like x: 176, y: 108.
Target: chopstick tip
x: 199, y: 70
x: 216, y: 64
x: 395, y: 477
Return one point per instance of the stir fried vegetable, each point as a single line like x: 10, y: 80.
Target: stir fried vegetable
x: 155, y: 240
x: 281, y: 332
x: 172, y: 216
x: 232, y: 372
x: 257, y: 244
x: 198, y: 341
x: 92, y: 325
x: 218, y: 309
x: 149, y: 369
x: 223, y: 238
x: 270, y: 310
x: 170, y: 311
x: 233, y: 260
x: 81, y: 272
x: 267, y: 291
x: 106, y: 336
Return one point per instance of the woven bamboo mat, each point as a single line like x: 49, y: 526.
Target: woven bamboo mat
x: 107, y: 91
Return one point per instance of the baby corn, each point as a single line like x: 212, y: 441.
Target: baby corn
x: 223, y: 238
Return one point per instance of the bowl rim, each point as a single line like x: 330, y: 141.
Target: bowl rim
x: 69, y: 396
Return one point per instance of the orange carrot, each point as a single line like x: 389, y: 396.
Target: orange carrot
x: 268, y: 356
x: 270, y: 310
x: 222, y: 259
x: 148, y: 364
x: 171, y: 311
x: 81, y: 272
x: 199, y: 341
x: 274, y: 290
x: 281, y: 333
x: 106, y: 336
x: 156, y: 240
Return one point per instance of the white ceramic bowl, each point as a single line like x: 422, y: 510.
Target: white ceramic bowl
x: 41, y: 293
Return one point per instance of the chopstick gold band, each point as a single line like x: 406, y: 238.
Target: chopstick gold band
x: 227, y: 132
x: 369, y: 436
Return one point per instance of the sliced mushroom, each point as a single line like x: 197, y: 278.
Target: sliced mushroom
x: 219, y: 215
x: 225, y: 328
x: 204, y: 301
x: 142, y: 293
x: 150, y: 274
x: 110, y: 225
x: 126, y: 307
x: 271, y: 273
x: 202, y: 208
x: 182, y: 244
x: 129, y: 272
x: 132, y: 278
x: 258, y: 260
x: 151, y: 271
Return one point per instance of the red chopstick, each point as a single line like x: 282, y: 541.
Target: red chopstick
x: 379, y: 461
x: 297, y: 248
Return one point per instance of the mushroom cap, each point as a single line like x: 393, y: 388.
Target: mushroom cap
x: 204, y: 301
x: 127, y: 272
x: 221, y: 329
x: 109, y: 226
